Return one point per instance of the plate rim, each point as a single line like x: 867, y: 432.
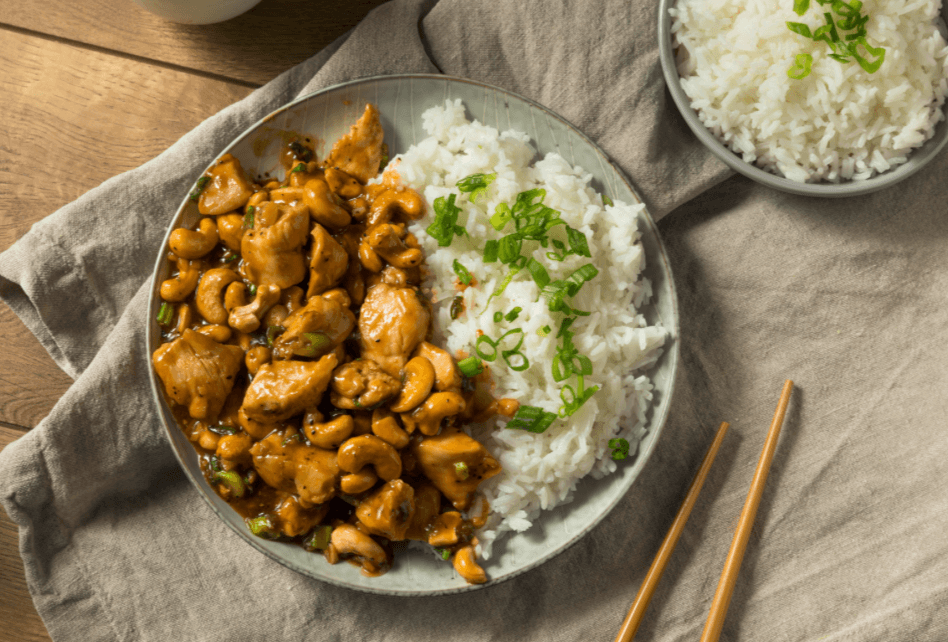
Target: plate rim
x: 660, y: 410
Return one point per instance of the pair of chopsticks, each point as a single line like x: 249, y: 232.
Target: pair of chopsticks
x: 722, y: 597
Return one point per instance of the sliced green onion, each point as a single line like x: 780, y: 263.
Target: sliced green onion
x: 800, y: 6
x: 445, y: 225
x: 532, y: 419
x: 262, y: 526
x: 606, y: 200
x: 502, y: 216
x: 491, y: 251
x: 319, y: 539
x: 476, y: 185
x: 461, y: 471
x: 513, y: 314
x: 298, y: 168
x: 199, y: 187
x: 620, y: 448
x: 231, y: 480
x: 802, y: 65
x: 273, y: 332
x: 464, y: 276
x: 248, y: 217
x: 231, y: 257
x: 508, y: 249
x: 580, y: 276
x: 444, y: 553
x: 223, y: 430
x: 539, y: 273
x: 544, y: 331
x: 318, y: 342
x: 503, y: 284
x: 577, y: 242
x: 498, y: 317
x: 470, y: 366
x: 252, y: 289
x: 457, y: 307
x: 165, y: 313
x: 800, y: 28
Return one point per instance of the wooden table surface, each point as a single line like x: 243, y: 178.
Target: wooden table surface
x: 113, y: 86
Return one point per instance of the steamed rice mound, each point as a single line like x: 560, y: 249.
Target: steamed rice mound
x: 540, y: 470
x: 837, y: 123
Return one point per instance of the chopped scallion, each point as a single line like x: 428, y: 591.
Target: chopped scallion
x: 273, y: 332
x: 461, y: 471
x: 498, y: 317
x: 476, y: 185
x: 223, y: 430
x: 445, y: 225
x: 319, y: 539
x: 470, y: 366
x: 248, y: 217
x: 262, y: 526
x: 513, y: 314
x: 457, y: 307
x: 464, y: 276
x: 317, y: 343
x: 620, y: 448
x: 232, y: 481
x: 165, y: 313
x: 199, y: 187
x: 491, y: 251
x: 532, y: 419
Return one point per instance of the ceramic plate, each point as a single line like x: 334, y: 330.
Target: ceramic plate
x: 328, y: 114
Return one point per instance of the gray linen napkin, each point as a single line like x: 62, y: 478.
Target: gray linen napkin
x: 845, y: 297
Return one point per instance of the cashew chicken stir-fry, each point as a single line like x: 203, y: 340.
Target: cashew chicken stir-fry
x: 297, y: 357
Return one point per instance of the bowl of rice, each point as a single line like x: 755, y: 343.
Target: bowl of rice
x: 618, y: 319
x: 817, y: 98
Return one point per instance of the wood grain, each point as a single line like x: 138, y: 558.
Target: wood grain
x: 111, y: 114
x: 252, y: 48
x: 20, y: 622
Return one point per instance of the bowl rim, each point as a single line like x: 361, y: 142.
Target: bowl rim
x: 918, y: 158
x: 660, y: 410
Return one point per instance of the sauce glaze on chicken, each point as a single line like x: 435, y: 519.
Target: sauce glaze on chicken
x: 297, y: 356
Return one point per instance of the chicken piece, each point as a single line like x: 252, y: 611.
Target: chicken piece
x: 362, y: 384
x: 285, y: 388
x: 228, y: 189
x: 392, y: 322
x: 455, y: 463
x: 273, y: 249
x: 293, y: 467
x: 198, y: 372
x: 389, y: 510
x: 293, y: 519
x: 329, y: 263
x: 325, y: 319
x: 427, y: 507
x: 359, y: 153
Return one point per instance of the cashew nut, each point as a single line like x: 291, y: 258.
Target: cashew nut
x: 193, y: 244
x: 347, y: 540
x: 427, y: 417
x: 209, y: 300
x: 392, y: 202
x: 355, y: 483
x: 286, y: 195
x: 184, y: 318
x: 276, y: 316
x: 179, y: 287
x: 342, y: 184
x: 419, y: 379
x: 256, y: 429
x: 292, y: 299
x: 385, y: 427
x: 444, y: 529
x: 230, y: 229
x: 258, y: 197
x: 323, y: 206
x: 327, y: 434
x: 447, y: 375
x: 369, y: 258
x: 235, y: 296
x: 386, y: 240
x: 366, y: 450
x: 246, y: 318
x: 220, y: 333
x: 256, y: 357
x: 467, y: 567
x: 235, y: 447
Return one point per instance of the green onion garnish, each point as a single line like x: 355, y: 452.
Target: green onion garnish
x: 491, y: 251
x: 457, y: 307
x: 273, y: 332
x: 606, y: 200
x: 317, y: 343
x: 319, y: 539
x: 252, y: 290
x: 445, y: 225
x: 620, y: 448
x: 248, y: 217
x: 461, y: 471
x: 463, y: 275
x: 801, y: 66
x: 470, y: 366
x: 444, y: 553
x: 165, y: 313
x: 843, y: 50
x: 476, y: 185
x: 262, y: 526
x: 498, y: 317
x: 298, y: 168
x: 231, y: 480
x: 544, y: 331
x: 223, y: 430
x: 532, y: 419
x: 800, y: 6
x: 302, y: 153
x: 229, y: 258
x: 514, y: 359
x: 513, y: 314
x: 199, y: 187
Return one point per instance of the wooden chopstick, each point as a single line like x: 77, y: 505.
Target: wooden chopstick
x: 722, y: 597
x: 644, y: 596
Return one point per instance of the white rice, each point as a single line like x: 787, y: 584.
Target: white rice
x: 838, y: 123
x: 540, y: 471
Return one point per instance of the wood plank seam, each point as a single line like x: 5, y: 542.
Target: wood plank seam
x: 128, y: 56
x: 6, y: 424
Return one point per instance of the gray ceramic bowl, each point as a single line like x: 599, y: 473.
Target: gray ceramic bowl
x: 919, y: 158
x: 401, y: 100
